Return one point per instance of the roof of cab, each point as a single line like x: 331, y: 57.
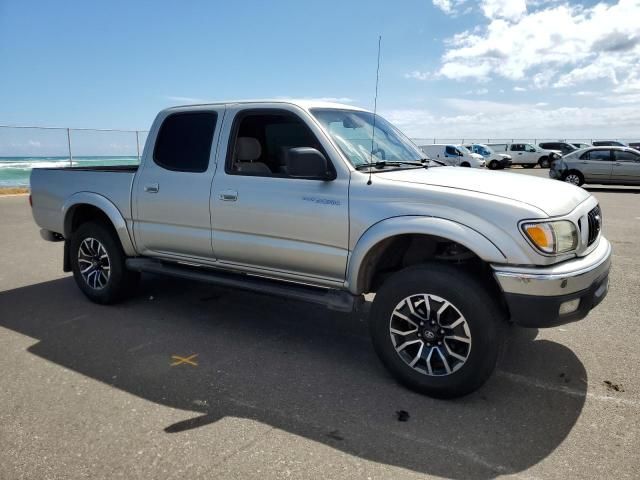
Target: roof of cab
x: 302, y: 103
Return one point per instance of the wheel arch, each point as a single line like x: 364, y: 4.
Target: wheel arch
x: 367, y: 252
x: 84, y: 206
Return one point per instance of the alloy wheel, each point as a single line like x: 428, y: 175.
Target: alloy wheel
x: 94, y: 263
x: 430, y: 334
x: 573, y: 179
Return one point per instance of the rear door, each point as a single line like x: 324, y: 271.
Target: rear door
x: 172, y: 189
x: 518, y: 153
x: 626, y: 167
x: 596, y: 166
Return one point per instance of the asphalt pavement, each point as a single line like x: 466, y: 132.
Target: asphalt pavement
x: 187, y: 381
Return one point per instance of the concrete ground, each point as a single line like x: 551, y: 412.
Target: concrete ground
x: 287, y: 390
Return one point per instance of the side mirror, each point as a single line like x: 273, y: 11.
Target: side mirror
x: 308, y: 163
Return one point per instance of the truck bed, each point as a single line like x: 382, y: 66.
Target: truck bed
x: 52, y: 187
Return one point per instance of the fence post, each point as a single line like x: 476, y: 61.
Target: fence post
x: 138, y: 145
x: 69, y: 145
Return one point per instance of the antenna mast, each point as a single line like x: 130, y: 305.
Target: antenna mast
x: 375, y: 108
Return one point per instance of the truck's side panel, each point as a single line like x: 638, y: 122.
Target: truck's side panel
x: 52, y: 190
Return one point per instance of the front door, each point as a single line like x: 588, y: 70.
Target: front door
x: 173, y: 186
x: 626, y: 167
x: 266, y: 220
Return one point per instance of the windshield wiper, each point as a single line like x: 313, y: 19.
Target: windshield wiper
x: 436, y: 161
x: 394, y: 163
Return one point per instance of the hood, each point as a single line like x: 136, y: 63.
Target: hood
x: 477, y: 156
x: 551, y: 196
x: 504, y: 155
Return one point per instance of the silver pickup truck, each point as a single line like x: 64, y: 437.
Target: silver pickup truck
x: 325, y: 203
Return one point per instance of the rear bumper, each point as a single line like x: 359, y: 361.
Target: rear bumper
x: 534, y: 296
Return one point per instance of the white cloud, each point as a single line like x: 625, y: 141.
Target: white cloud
x: 444, y: 5
x: 519, y: 89
x: 418, y: 75
x: 485, y: 119
x: 561, y: 45
x: 479, y: 91
x: 509, y: 9
x: 187, y: 99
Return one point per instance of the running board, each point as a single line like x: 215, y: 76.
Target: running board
x: 331, y: 298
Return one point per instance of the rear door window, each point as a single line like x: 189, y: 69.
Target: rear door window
x: 597, y: 155
x: 625, y: 156
x: 184, y: 141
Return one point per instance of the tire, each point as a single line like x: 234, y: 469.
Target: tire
x: 544, y: 162
x: 574, y: 177
x: 493, y: 165
x: 96, y: 248
x: 528, y: 165
x: 465, y: 164
x: 467, y: 299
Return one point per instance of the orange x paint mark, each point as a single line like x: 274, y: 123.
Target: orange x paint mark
x: 188, y: 360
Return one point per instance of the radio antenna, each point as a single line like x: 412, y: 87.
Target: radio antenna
x: 375, y: 108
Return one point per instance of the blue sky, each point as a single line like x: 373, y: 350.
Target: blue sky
x: 449, y: 67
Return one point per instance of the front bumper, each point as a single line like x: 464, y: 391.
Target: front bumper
x: 534, y: 295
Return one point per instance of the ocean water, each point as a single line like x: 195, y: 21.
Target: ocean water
x: 15, y: 171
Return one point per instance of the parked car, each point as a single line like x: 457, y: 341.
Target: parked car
x: 455, y: 155
x: 608, y: 143
x: 492, y: 159
x: 635, y: 145
x: 526, y: 154
x: 297, y: 200
x: 612, y: 165
x: 562, y: 147
x: 579, y: 145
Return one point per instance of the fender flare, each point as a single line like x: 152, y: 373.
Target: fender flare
x: 434, y: 226
x: 108, y: 208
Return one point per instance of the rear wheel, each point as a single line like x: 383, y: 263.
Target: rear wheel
x: 98, y: 264
x: 574, y: 178
x: 543, y: 162
x: 436, y: 329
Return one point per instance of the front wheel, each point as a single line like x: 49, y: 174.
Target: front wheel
x: 493, y: 165
x: 574, y: 178
x: 437, y: 330
x: 543, y: 162
x: 98, y: 264
x: 465, y: 164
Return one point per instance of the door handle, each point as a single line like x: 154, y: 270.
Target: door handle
x: 153, y: 188
x: 228, y: 196
x: 617, y: 163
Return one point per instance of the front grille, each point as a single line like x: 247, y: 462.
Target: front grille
x: 594, y: 217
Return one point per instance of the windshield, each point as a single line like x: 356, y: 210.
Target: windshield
x: 463, y: 149
x: 353, y: 133
x: 484, y: 150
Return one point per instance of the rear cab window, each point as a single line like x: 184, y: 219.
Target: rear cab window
x: 184, y: 141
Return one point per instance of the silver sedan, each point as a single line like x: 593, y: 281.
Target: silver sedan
x: 604, y: 165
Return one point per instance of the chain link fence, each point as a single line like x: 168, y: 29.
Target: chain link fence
x: 23, y: 147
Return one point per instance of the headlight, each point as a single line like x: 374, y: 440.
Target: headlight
x: 552, y: 237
